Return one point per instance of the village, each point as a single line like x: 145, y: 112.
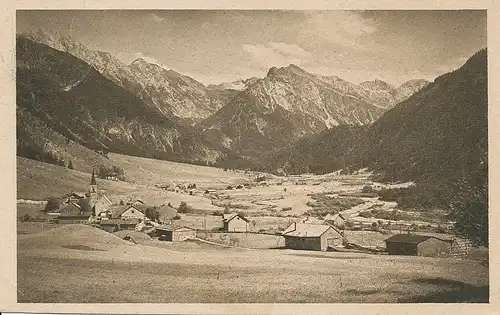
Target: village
x: 186, y: 233
x: 134, y: 219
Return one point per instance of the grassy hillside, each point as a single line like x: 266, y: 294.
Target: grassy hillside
x: 32, y: 131
x: 39, y: 181
x: 151, y: 171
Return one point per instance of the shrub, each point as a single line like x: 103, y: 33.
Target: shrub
x: 152, y: 214
x: 176, y: 217
x: 70, y: 165
x: 217, y: 213
x: 114, y: 171
x: 184, y: 208
x: 367, y: 189
x: 52, y: 205
x: 440, y: 229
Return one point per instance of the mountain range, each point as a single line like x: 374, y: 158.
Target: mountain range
x: 70, y: 97
x: 173, y: 116
x: 438, y: 136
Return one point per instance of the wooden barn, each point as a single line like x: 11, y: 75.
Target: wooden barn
x: 175, y: 234
x: 114, y: 225
x: 73, y: 213
x: 235, y: 223
x: 312, y: 236
x: 417, y: 245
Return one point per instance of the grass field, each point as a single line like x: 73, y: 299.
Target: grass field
x: 91, y: 266
x: 244, y: 240
x: 150, y: 171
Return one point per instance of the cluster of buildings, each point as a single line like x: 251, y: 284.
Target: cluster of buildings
x: 95, y: 208
x: 307, y: 234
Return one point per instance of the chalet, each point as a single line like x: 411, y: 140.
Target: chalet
x: 114, y: 225
x: 73, y: 213
x: 235, y: 222
x: 129, y: 212
x: 417, y: 245
x: 175, y: 234
x: 312, y: 236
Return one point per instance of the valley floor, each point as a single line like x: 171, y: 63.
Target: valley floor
x: 82, y: 264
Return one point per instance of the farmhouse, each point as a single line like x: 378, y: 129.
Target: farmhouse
x: 312, y: 236
x: 417, y: 245
x: 129, y: 212
x: 113, y: 225
x: 235, y: 222
x: 175, y: 234
x: 73, y: 213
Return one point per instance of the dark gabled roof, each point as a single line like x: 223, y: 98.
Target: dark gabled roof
x: 307, y: 230
x: 408, y: 238
x: 231, y: 216
x: 171, y: 227
x: 73, y: 210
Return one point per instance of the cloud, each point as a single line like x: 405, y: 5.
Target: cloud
x: 157, y: 18
x: 277, y: 54
x: 344, y: 28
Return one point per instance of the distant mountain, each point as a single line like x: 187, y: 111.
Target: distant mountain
x: 238, y: 85
x: 176, y: 96
x: 438, y: 136
x: 71, y: 98
x: 287, y: 104
x: 411, y: 87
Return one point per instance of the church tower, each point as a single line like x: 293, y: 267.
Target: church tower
x: 93, y: 193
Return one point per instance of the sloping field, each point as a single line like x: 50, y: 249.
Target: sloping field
x: 82, y: 264
x: 38, y: 181
x: 150, y: 171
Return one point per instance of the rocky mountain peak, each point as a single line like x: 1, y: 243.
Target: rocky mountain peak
x: 377, y: 84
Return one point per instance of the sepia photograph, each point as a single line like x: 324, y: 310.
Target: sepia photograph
x: 251, y: 156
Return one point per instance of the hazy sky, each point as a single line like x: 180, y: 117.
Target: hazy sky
x: 218, y: 46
